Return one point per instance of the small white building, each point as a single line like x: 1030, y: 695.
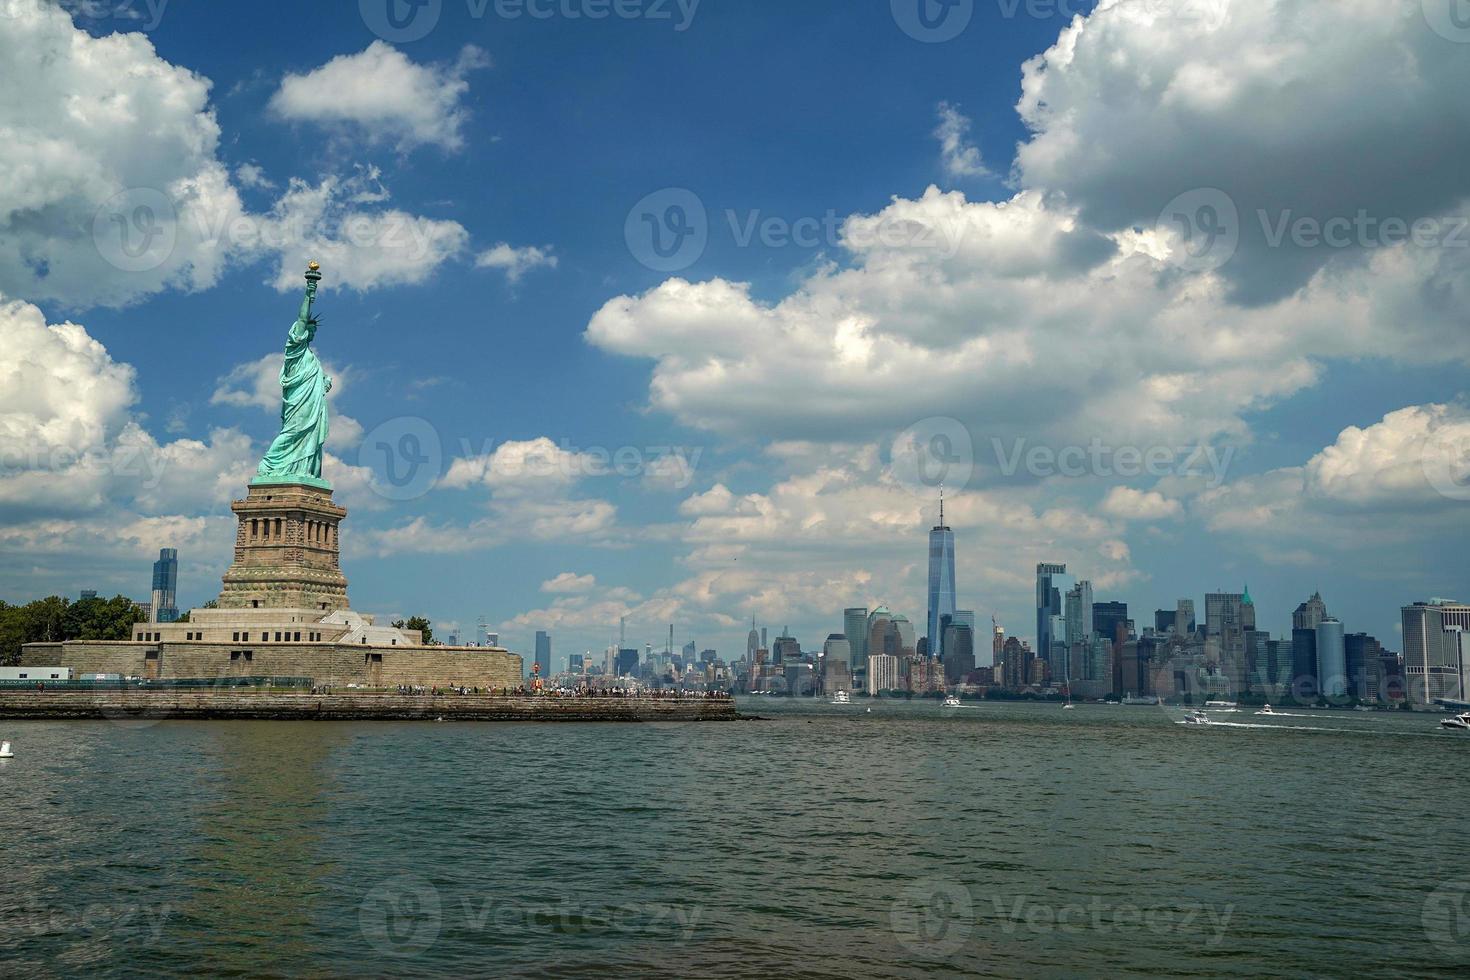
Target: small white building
x: 35, y: 674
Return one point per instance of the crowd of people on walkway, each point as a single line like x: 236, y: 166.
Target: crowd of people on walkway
x: 582, y: 691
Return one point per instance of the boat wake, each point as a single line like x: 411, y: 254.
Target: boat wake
x: 1279, y: 728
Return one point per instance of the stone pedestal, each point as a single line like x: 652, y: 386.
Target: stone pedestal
x: 286, y: 551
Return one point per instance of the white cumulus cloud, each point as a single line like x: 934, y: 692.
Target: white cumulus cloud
x: 383, y: 95
x: 957, y: 154
x: 516, y: 262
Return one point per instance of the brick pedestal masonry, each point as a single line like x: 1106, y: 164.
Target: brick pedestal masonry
x: 286, y: 551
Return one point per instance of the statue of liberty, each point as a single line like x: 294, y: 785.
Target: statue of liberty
x: 295, y: 455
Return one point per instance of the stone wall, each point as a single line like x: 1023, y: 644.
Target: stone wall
x: 332, y: 664
x: 134, y: 705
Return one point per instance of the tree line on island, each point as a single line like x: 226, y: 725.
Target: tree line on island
x: 55, y: 619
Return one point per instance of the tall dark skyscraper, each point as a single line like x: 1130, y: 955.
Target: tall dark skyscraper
x: 627, y: 663
x: 1304, y: 659
x: 164, y: 599
x: 787, y: 649
x: 1048, y: 604
x: 543, y: 652
x: 1108, y: 618
x: 855, y: 628
x: 941, y: 580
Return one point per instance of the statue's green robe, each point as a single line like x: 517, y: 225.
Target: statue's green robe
x: 297, y: 451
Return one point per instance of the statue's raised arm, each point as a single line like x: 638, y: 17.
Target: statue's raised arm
x: 295, y: 455
x: 304, y: 317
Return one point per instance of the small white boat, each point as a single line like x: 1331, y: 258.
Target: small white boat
x: 842, y: 697
x: 1068, y: 706
x: 1195, y: 718
x: 1266, y: 710
x: 1460, y: 721
x: 953, y: 701
x: 5, y: 752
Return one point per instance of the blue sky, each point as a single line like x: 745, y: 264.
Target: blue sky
x: 795, y: 377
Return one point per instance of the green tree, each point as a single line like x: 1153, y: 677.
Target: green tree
x: 100, y: 619
x: 12, y: 633
x: 46, y: 620
x: 54, y: 619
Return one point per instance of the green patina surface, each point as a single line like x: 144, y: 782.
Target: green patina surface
x: 295, y: 455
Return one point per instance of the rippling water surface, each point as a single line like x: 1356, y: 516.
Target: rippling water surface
x: 826, y: 841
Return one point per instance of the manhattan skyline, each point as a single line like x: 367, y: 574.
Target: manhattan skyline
x: 511, y: 310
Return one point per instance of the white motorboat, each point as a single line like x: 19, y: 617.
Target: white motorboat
x: 953, y: 701
x: 1195, y: 718
x: 1266, y: 710
x: 5, y: 752
x: 842, y: 697
x: 1068, y: 706
x: 1460, y: 722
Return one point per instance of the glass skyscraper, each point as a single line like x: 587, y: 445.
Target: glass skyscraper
x: 1048, y: 604
x: 1331, y: 658
x: 855, y: 628
x: 164, y: 599
x: 543, y: 652
x: 941, y: 581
